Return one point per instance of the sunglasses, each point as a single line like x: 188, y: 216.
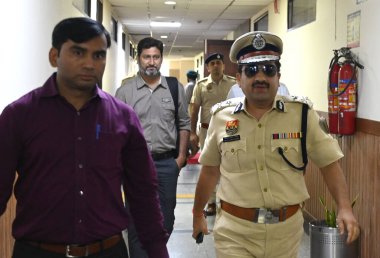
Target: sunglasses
x: 269, y: 70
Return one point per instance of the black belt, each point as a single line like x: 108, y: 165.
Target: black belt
x: 163, y: 155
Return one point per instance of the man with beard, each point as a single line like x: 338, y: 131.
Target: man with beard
x: 207, y: 92
x: 258, y: 146
x: 149, y: 95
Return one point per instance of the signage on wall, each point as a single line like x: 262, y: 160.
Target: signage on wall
x: 353, y: 29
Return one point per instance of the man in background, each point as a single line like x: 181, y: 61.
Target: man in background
x: 163, y: 120
x: 207, y: 92
x: 189, y: 87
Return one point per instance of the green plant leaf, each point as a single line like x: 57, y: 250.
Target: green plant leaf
x: 354, y: 201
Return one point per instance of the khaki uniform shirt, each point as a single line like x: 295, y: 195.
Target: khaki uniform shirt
x: 207, y: 93
x: 156, y: 111
x: 253, y: 174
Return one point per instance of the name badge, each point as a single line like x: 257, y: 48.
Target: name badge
x: 231, y: 138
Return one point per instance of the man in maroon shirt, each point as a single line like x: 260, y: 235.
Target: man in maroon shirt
x: 73, y: 147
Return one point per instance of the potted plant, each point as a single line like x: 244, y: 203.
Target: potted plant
x: 326, y: 240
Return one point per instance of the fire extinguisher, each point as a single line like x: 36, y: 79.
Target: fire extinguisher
x: 332, y: 93
x: 343, y: 96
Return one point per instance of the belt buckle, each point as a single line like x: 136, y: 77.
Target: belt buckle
x: 74, y: 256
x: 266, y: 216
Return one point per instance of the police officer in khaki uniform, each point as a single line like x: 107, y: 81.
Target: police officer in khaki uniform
x: 207, y: 92
x: 253, y: 146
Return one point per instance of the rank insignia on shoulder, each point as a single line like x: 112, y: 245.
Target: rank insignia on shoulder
x: 323, y: 124
x: 232, y: 127
x: 300, y: 99
x: 227, y: 103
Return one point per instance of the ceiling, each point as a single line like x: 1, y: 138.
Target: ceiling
x: 200, y: 19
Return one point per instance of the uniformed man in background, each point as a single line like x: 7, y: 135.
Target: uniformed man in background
x: 254, y: 147
x: 207, y: 92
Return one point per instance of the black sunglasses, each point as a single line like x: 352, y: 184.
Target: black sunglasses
x: 269, y: 70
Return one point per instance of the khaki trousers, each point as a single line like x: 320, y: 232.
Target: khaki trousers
x: 239, y: 238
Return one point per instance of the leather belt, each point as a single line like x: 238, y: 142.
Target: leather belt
x: 204, y: 125
x: 78, y: 250
x: 163, y: 155
x: 260, y: 215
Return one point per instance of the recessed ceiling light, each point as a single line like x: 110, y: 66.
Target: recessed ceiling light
x: 170, y: 2
x: 165, y: 24
x: 164, y: 36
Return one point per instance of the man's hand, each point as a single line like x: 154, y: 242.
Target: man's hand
x: 194, y: 141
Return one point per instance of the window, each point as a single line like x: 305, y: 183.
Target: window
x: 261, y: 23
x: 301, y: 12
x: 87, y: 7
x: 114, y: 29
x: 99, y: 11
x: 123, y: 36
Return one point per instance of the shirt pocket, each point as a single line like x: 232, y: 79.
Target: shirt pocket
x: 233, y: 154
x: 106, y: 152
x: 167, y: 109
x: 291, y: 150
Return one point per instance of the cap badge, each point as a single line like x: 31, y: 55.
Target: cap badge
x: 218, y: 56
x: 232, y: 127
x: 259, y: 42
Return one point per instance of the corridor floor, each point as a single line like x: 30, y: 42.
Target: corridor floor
x: 181, y: 244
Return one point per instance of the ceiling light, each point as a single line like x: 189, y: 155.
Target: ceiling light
x: 164, y: 36
x: 170, y: 2
x: 166, y: 24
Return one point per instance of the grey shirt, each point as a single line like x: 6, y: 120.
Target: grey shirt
x: 189, y: 91
x: 155, y: 110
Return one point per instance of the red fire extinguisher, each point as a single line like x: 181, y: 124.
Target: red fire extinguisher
x: 343, y: 96
x: 332, y: 93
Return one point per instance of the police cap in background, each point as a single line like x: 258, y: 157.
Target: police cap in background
x: 214, y: 56
x: 256, y: 46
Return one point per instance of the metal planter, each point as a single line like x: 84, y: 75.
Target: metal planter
x: 327, y: 242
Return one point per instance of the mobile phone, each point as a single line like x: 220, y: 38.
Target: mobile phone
x: 199, y: 238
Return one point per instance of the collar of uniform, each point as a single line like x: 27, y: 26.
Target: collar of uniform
x: 141, y: 82
x: 279, y: 104
x: 209, y: 79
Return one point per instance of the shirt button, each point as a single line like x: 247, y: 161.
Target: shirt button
x: 261, y: 168
x: 232, y: 150
x: 265, y: 190
x: 285, y: 148
x: 259, y: 125
x: 81, y: 193
x: 80, y: 166
x: 259, y: 147
x: 79, y: 138
x: 79, y: 221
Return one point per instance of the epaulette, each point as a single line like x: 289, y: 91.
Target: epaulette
x: 299, y: 99
x: 201, y: 80
x: 231, y: 77
x: 234, y: 102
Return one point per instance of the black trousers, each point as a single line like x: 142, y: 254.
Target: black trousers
x: 25, y: 250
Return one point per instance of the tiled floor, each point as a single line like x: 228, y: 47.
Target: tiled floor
x: 181, y: 244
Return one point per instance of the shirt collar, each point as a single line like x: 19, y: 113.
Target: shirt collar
x: 278, y: 104
x: 50, y: 89
x: 141, y: 83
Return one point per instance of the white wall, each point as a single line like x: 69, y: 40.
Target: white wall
x: 308, y: 51
x: 26, y: 39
